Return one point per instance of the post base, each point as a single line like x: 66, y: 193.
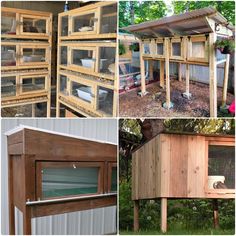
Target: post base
x: 168, y: 107
x: 142, y: 94
x: 187, y: 95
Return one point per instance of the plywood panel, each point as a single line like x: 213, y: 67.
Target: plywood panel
x: 196, y: 166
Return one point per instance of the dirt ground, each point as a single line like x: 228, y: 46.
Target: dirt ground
x: 132, y: 105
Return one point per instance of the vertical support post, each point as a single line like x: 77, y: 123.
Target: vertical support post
x: 150, y: 68
x: 163, y: 215
x: 226, y: 77
x: 142, y: 70
x: 215, y: 213
x: 136, y: 215
x: 57, y: 108
x: 48, y: 107
x: 162, y: 74
x: 33, y: 110
x: 187, y: 94
x: 27, y: 221
x: 212, y: 75
x: 168, y: 103
x: 10, y: 197
x: 180, y: 72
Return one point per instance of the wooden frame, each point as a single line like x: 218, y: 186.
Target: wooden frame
x: 110, y: 166
x: 180, y: 41
x: 29, y: 150
x: 97, y: 9
x: 28, y: 40
x: 20, y: 13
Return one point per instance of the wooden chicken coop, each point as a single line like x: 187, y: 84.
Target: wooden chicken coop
x: 86, y: 80
x: 180, y: 165
x: 188, y: 39
x: 52, y: 173
x: 26, y: 38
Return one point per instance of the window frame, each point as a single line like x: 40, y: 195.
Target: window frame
x: 109, y: 177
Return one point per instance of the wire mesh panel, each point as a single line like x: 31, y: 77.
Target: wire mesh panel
x: 83, y: 23
x: 8, y: 55
x: 221, y: 167
x: 33, y: 84
x: 8, y: 86
x: 176, y: 49
x: 107, y: 60
x: 8, y: 23
x: 64, y: 25
x: 63, y: 51
x: 146, y: 48
x: 34, y: 25
x: 105, y: 100
x: 109, y: 19
x: 34, y: 55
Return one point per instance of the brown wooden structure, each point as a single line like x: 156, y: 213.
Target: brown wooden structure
x: 38, y: 157
x: 188, y: 39
x: 26, y: 40
x: 86, y: 72
x: 181, y: 166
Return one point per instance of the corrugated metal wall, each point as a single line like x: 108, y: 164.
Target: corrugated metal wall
x: 96, y: 221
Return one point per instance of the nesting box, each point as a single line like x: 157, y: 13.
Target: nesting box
x: 52, y: 173
x: 183, y: 166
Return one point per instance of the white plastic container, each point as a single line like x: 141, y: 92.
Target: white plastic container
x: 85, y: 94
x: 213, y: 179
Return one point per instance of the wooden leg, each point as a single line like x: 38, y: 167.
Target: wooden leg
x: 215, y: 213
x: 27, y: 221
x: 163, y: 215
x: 162, y: 74
x: 180, y: 72
x: 57, y: 108
x: 187, y: 94
x: 225, y: 84
x: 142, y: 71
x: 10, y: 198
x: 150, y: 68
x: 48, y: 108
x: 212, y: 75
x: 33, y: 110
x: 136, y: 215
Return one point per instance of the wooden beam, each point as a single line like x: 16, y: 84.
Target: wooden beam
x: 226, y: 77
x: 27, y: 221
x: 163, y: 215
x: 180, y: 71
x: 162, y: 74
x: 150, y: 68
x: 212, y: 75
x: 173, y: 31
x: 155, y: 33
x: 142, y: 70
x: 215, y: 213
x: 136, y: 215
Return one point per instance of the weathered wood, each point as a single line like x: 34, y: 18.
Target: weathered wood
x: 136, y: 216
x: 163, y: 215
x: 168, y: 103
x: 226, y: 77
x: 179, y: 71
x: 150, y: 65
x: 142, y: 70
x: 212, y: 75
x: 187, y: 79
x: 162, y: 74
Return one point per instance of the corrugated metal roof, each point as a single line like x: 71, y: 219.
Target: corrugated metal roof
x: 194, y: 23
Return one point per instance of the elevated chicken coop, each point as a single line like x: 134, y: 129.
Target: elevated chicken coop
x: 180, y: 165
x: 189, y: 39
x: 52, y: 173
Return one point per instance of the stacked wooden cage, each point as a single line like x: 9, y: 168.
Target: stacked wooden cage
x: 25, y: 61
x: 86, y: 71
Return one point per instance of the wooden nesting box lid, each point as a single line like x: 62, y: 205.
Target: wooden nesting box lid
x: 33, y: 141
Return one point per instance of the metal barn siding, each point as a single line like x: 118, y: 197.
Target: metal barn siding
x: 99, y: 221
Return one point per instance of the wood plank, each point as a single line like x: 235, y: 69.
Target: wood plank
x: 136, y: 216
x: 163, y: 215
x: 162, y: 74
x: 168, y: 104
x: 180, y: 72
x: 142, y: 70
x: 226, y: 77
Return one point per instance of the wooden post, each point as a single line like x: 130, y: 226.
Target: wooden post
x: 142, y: 70
x: 27, y: 221
x: 162, y: 74
x: 136, y: 215
x: 163, y: 215
x: 187, y: 94
x: 33, y: 110
x: 212, y: 75
x: 150, y: 68
x: 180, y: 72
x: 215, y: 213
x: 226, y: 77
x: 57, y: 108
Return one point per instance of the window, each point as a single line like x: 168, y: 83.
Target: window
x: 146, y: 48
x: 56, y: 180
x: 160, y: 48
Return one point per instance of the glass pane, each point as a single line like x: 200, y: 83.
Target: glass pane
x: 146, y: 48
x: 176, y: 49
x: 64, y: 55
x: 8, y: 86
x: 8, y: 23
x: 160, y: 48
x: 64, y: 26
x: 107, y: 60
x: 105, y: 100
x: 34, y: 55
x: 114, y: 179
x: 83, y: 23
x: 83, y: 58
x: 34, y: 25
x: 81, y: 91
x: 109, y: 19
x: 221, y: 167
x: 65, y: 181
x: 8, y: 55
x: 33, y: 84
x: 198, y: 49
x: 63, y: 84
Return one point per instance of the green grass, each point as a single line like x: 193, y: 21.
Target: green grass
x: 182, y: 232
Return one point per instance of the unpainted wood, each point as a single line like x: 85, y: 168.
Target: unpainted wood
x: 163, y: 215
x: 136, y: 216
x: 226, y: 77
